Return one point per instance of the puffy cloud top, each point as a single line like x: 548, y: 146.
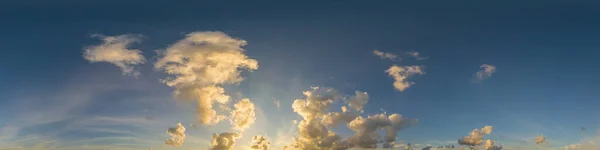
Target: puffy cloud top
x: 177, y: 135
x: 243, y: 115
x: 199, y: 65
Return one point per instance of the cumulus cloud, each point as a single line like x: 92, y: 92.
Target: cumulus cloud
x: 243, y: 115
x: 476, y: 136
x: 177, y: 135
x: 416, y: 55
x: 489, y: 145
x: 199, y: 64
x: 260, y: 143
x: 385, y: 55
x: 367, y: 130
x: 358, y: 102
x: 224, y: 141
x: 540, y: 139
x: 312, y: 133
x: 485, y: 72
x: 314, y: 130
x: 114, y: 50
x: 401, y: 73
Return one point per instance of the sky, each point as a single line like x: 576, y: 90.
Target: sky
x: 122, y: 75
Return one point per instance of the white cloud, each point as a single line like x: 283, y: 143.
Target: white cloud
x: 177, y: 135
x: 385, y: 55
x: 401, y: 73
x: 243, y: 115
x: 485, y: 72
x: 416, y: 55
x: 114, y: 50
x: 200, y: 64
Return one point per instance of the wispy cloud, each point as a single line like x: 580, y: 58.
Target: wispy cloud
x: 386, y: 55
x: 486, y: 72
x: 416, y: 55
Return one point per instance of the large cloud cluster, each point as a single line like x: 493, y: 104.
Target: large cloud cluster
x: 177, y: 135
x: 314, y: 130
x: 401, y: 73
x: 199, y: 65
x: 476, y: 136
x: 114, y: 50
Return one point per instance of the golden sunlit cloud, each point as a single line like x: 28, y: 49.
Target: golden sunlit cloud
x: 540, y: 139
x: 260, y: 143
x: 489, y: 145
x: 177, y: 135
x: 224, y: 141
x: 401, y: 73
x: 243, y: 115
x: 476, y: 136
x: 199, y: 65
x: 114, y: 50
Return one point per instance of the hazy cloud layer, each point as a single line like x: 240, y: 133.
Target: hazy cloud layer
x: 114, y: 50
x: 401, y: 73
x: 200, y: 64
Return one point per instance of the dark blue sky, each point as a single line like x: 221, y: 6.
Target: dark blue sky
x: 546, y: 54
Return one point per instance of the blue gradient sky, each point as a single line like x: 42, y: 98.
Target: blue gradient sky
x: 546, y: 56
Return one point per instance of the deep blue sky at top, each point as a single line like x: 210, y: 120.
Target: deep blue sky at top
x: 546, y: 53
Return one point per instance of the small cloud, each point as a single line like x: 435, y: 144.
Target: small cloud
x: 114, y: 50
x: 476, y: 136
x: 224, y: 141
x: 540, y: 139
x: 276, y: 102
x: 260, y: 143
x: 485, y: 72
x: 400, y: 73
x: 416, y: 55
x: 177, y: 136
x: 385, y: 55
x: 243, y: 115
x: 489, y: 145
